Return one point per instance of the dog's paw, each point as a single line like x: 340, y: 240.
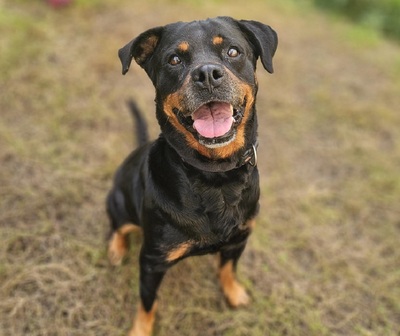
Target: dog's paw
x: 236, y: 295
x: 143, y: 322
x: 234, y: 292
x: 117, y: 249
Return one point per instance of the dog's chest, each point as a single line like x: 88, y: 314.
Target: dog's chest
x: 188, y: 204
x: 216, y: 216
x: 218, y: 206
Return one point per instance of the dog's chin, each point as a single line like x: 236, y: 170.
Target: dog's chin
x: 218, y: 138
x: 218, y: 142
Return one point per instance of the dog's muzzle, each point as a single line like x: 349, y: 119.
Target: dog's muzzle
x: 214, y: 123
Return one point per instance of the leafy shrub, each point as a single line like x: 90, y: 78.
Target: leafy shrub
x: 383, y: 15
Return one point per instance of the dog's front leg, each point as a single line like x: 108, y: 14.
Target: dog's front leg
x: 151, y: 275
x: 234, y: 292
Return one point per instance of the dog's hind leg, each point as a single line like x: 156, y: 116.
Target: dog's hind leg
x: 120, y: 227
x: 118, y: 244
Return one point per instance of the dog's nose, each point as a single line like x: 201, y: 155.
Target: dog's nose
x: 208, y: 76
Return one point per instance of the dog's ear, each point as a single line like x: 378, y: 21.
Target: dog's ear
x: 141, y: 48
x: 264, y: 40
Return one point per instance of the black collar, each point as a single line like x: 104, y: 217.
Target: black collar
x: 248, y: 157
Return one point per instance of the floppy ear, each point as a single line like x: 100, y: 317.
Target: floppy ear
x: 264, y: 39
x: 141, y: 48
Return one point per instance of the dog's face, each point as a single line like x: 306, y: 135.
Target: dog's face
x: 204, y: 75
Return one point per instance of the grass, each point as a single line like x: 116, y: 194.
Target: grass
x: 324, y: 259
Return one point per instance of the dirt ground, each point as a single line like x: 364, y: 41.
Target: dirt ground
x: 324, y: 257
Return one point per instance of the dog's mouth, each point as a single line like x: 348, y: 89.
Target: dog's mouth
x: 214, y: 123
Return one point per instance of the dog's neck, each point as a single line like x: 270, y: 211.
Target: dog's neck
x: 247, y: 156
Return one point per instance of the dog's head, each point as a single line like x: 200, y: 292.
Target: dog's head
x: 204, y: 75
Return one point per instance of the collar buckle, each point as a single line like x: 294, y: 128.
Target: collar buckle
x: 250, y: 156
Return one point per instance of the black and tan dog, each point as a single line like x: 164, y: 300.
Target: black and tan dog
x: 195, y: 189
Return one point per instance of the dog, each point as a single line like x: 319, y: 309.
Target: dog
x: 194, y: 190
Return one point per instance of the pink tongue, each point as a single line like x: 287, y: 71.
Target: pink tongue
x: 213, y: 120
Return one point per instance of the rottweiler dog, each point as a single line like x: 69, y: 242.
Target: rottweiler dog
x: 194, y: 190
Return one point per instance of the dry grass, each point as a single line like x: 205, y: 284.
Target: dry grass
x: 324, y: 259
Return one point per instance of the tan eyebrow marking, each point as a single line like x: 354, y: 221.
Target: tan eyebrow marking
x: 183, y: 46
x: 217, y: 40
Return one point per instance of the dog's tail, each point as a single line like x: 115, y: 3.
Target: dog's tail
x: 141, y: 129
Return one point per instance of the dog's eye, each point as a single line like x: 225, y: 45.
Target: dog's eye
x: 174, y: 60
x: 233, y: 52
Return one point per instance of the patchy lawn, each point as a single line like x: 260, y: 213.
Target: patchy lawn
x: 324, y: 259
